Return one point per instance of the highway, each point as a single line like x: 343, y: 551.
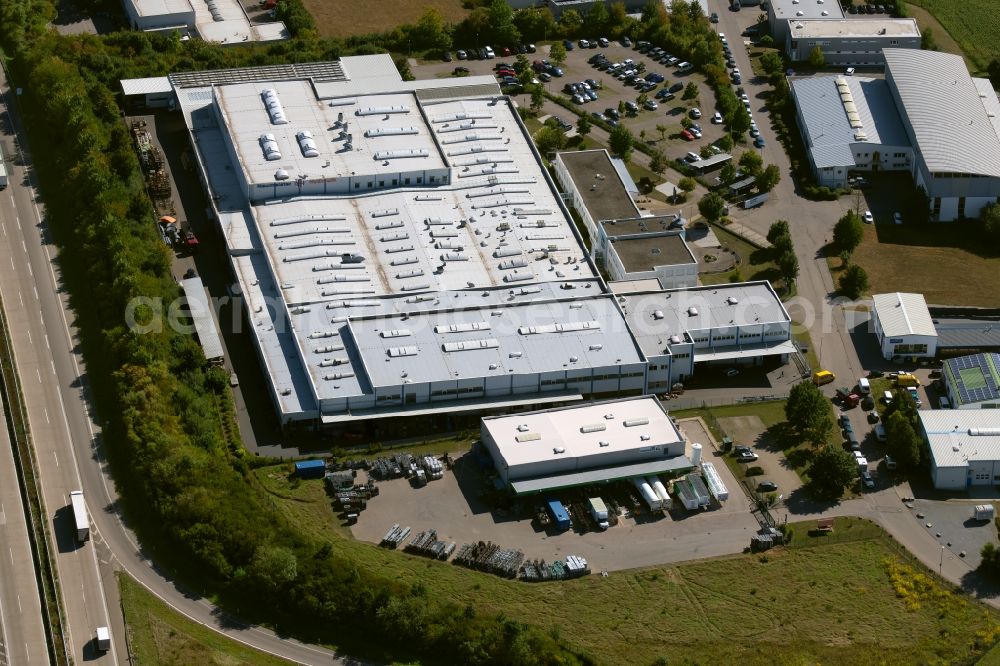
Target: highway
x: 23, y: 639
x: 66, y: 436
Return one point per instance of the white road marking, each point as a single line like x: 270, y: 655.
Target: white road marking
x: 45, y: 409
x: 47, y: 345
x: 35, y: 289
x: 39, y: 374
x: 11, y: 551
x: 19, y: 606
x: 24, y: 246
x: 56, y: 456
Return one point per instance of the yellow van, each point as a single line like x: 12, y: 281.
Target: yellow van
x: 907, y: 380
x: 821, y: 377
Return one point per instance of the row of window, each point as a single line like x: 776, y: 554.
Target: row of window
x: 395, y: 182
x: 461, y: 391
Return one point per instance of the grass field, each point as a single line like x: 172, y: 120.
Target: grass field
x: 343, y: 18
x: 824, y: 600
x: 973, y: 26
x: 160, y: 635
x: 754, y: 264
x: 896, y: 258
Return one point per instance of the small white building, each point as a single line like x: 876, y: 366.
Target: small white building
x: 584, y: 445
x: 973, y: 381
x: 855, y: 42
x: 903, y: 326
x: 964, y: 446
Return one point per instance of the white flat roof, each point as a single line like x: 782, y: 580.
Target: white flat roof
x: 903, y: 314
x: 888, y: 28
x: 578, y: 431
x: 957, y: 436
x: 806, y: 9
x: 496, y: 238
x: 161, y: 7
x: 656, y: 316
x: 246, y: 116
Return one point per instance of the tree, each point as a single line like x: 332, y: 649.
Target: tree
x: 927, y: 40
x: 854, y: 282
x: 728, y: 173
x: 711, y: 206
x: 549, y: 139
x: 848, y: 232
x: 662, y: 131
x: 569, y: 24
x: 772, y: 63
x: 621, y: 107
x: 725, y: 143
x: 687, y: 184
x: 583, y: 125
x: 901, y: 440
x: 832, y: 470
x: 596, y: 20
x: 767, y: 41
x: 816, y: 58
x: 768, y: 178
x: 989, y: 219
x: 776, y: 230
x: 751, y: 162
x: 501, y: 22
x: 557, y: 53
x: 658, y: 162
x: 274, y: 566
x: 621, y: 141
x: 430, y: 31
x: 788, y: 266
x: 993, y: 71
x: 642, y: 99
x: 690, y: 91
x: 537, y: 98
x: 739, y: 122
x: 808, y: 412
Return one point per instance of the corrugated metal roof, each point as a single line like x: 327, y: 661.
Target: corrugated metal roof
x: 903, y: 314
x: 968, y: 333
x: 948, y: 434
x: 204, y: 322
x: 318, y: 71
x: 831, y: 126
x: 948, y: 117
x: 600, y: 475
x: 147, y: 86
x: 626, y: 177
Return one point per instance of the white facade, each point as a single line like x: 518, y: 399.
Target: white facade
x: 640, y: 256
x: 572, y: 439
x: 903, y: 326
x: 221, y: 21
x: 964, y: 447
x: 850, y: 42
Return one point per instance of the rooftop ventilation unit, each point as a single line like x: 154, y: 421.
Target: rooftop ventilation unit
x: 732, y: 300
x: 597, y: 347
x: 658, y: 314
x: 512, y: 263
x: 602, y: 444
x: 396, y: 352
x: 381, y: 110
x: 463, y: 328
x: 558, y: 450
x: 470, y: 345
x: 515, y: 354
x: 692, y: 311
x: 609, y: 417
x: 528, y: 437
x: 631, y: 423
x: 568, y: 327
x: 306, y: 144
x: 213, y: 9
x: 273, y: 105
x: 270, y: 147
x: 281, y: 174
x: 984, y: 432
x: 675, y: 339
x: 400, y: 154
x: 390, y: 131
x: 522, y: 428
x: 593, y: 427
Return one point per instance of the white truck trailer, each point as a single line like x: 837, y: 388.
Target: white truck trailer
x: 599, y: 510
x: 654, y: 502
x: 80, y: 515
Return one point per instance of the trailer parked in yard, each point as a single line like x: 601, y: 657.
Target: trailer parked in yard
x: 661, y: 492
x: 310, y: 469
x: 715, y: 485
x: 647, y: 493
x: 559, y: 514
x: 983, y: 512
x: 599, y: 511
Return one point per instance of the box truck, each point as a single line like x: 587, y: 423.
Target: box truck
x: 559, y: 515
x: 80, y: 515
x: 103, y: 639
x: 599, y: 510
x: 983, y: 512
x: 3, y: 172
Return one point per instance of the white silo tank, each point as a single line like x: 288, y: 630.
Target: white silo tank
x: 696, y: 454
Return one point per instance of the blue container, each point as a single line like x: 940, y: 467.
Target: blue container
x: 310, y: 469
x: 559, y: 514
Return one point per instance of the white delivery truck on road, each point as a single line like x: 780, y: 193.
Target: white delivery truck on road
x: 103, y: 639
x: 3, y: 172
x: 80, y: 515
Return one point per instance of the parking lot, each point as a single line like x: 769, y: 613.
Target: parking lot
x: 952, y: 525
x: 458, y: 507
x: 611, y: 92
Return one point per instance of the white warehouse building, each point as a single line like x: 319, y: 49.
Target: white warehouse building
x: 397, y: 245
x: 903, y: 326
x: 850, y: 42
x: 964, y: 446
x: 584, y: 445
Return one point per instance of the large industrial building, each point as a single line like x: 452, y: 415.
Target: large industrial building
x: 903, y: 326
x: 731, y: 324
x: 964, y: 446
x: 928, y: 117
x: 222, y: 21
x: 398, y: 246
x: 584, y: 445
x: 973, y: 381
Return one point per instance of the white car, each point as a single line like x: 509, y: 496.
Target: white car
x: 745, y: 98
x: 649, y: 105
x: 850, y: 71
x: 696, y: 133
x: 897, y: 217
x: 754, y: 132
x: 717, y: 118
x: 868, y: 217
x: 695, y: 113
x: 722, y: 36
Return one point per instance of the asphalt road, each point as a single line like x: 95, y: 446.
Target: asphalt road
x: 23, y: 639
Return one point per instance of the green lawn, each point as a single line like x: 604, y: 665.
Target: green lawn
x: 824, y: 600
x: 157, y: 634
x: 973, y: 24
x: 753, y: 264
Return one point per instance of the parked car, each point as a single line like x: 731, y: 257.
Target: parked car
x: 767, y: 487
x: 446, y: 56
x: 695, y: 113
x: 561, y: 123
x: 462, y: 55
x: 867, y: 481
x: 626, y: 42
x: 649, y: 105
x: 717, y: 118
x: 746, y: 457
x: 568, y: 43
x: 868, y: 217
x: 714, y: 18
x: 890, y: 464
x: 759, y: 142
x: 686, y: 135
x: 897, y: 217
x: 603, y: 41
x: 695, y: 132
x: 880, y: 432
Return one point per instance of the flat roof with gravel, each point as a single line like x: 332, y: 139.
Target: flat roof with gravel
x: 601, y: 188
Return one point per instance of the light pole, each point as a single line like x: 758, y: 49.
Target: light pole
x: 941, y: 564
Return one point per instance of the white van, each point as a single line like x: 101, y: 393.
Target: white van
x: 864, y: 386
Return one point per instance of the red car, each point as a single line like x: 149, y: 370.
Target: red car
x: 506, y: 71
x: 687, y: 135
